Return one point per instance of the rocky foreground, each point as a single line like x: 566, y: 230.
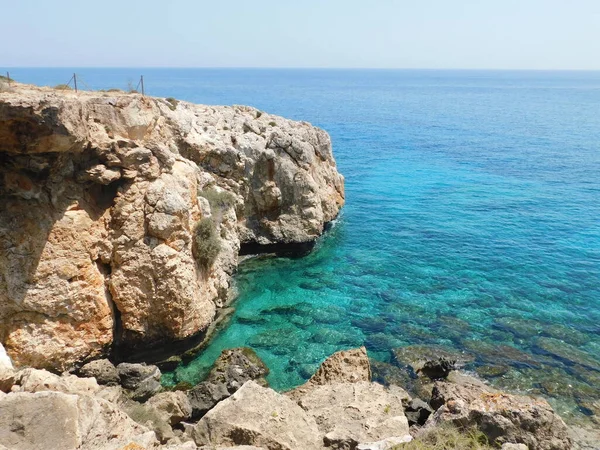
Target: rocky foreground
x: 124, y: 407
x: 122, y: 216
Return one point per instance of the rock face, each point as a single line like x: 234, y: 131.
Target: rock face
x: 348, y: 414
x: 101, y: 197
x: 504, y: 418
x: 66, y: 421
x: 350, y: 410
x: 347, y: 366
x: 258, y: 416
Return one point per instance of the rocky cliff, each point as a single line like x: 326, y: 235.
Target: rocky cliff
x: 122, y: 216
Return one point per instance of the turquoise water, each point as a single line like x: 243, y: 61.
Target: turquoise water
x: 472, y: 221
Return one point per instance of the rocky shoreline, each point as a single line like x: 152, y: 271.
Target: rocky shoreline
x: 123, y: 219
x: 340, y: 407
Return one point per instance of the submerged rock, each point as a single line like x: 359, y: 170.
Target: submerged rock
x: 567, y: 352
x: 432, y: 361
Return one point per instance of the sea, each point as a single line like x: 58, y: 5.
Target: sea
x: 471, y: 224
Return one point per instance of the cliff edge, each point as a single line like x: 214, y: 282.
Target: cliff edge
x: 122, y: 216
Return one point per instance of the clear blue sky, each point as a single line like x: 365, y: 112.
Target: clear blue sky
x: 499, y: 34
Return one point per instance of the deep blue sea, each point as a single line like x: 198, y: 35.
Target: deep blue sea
x: 472, y: 222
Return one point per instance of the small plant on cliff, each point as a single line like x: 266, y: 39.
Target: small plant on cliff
x: 448, y: 437
x: 218, y: 200
x: 172, y: 103
x: 206, y: 245
x: 62, y: 87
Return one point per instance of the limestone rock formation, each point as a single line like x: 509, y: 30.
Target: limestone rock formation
x: 258, y: 416
x: 503, y: 417
x: 175, y: 406
x: 66, y: 421
x: 346, y: 366
x: 350, y: 410
x: 348, y: 414
x: 101, y: 197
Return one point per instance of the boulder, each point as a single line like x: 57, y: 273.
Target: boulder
x: 174, y: 406
x: 34, y: 380
x: 7, y: 371
x: 347, y: 366
x: 502, y: 417
x: 348, y: 414
x: 514, y: 447
x: 102, y: 370
x: 236, y: 366
x: 437, y: 368
x: 149, y: 417
x: 230, y: 371
x: 236, y: 447
x: 204, y: 396
x: 257, y: 416
x: 469, y: 388
x: 141, y: 380
x: 43, y: 420
x: 417, y: 412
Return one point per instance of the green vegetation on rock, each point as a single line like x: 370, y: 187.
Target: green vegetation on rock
x: 206, y: 245
x: 448, y: 438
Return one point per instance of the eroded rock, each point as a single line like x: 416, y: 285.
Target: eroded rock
x: 504, y: 418
x: 348, y: 414
x: 57, y: 420
x: 100, y: 195
x: 258, y: 416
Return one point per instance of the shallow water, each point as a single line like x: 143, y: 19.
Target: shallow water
x: 472, y: 221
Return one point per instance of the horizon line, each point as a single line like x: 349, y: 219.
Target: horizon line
x: 309, y: 68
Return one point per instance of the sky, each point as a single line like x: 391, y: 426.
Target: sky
x: 425, y: 34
